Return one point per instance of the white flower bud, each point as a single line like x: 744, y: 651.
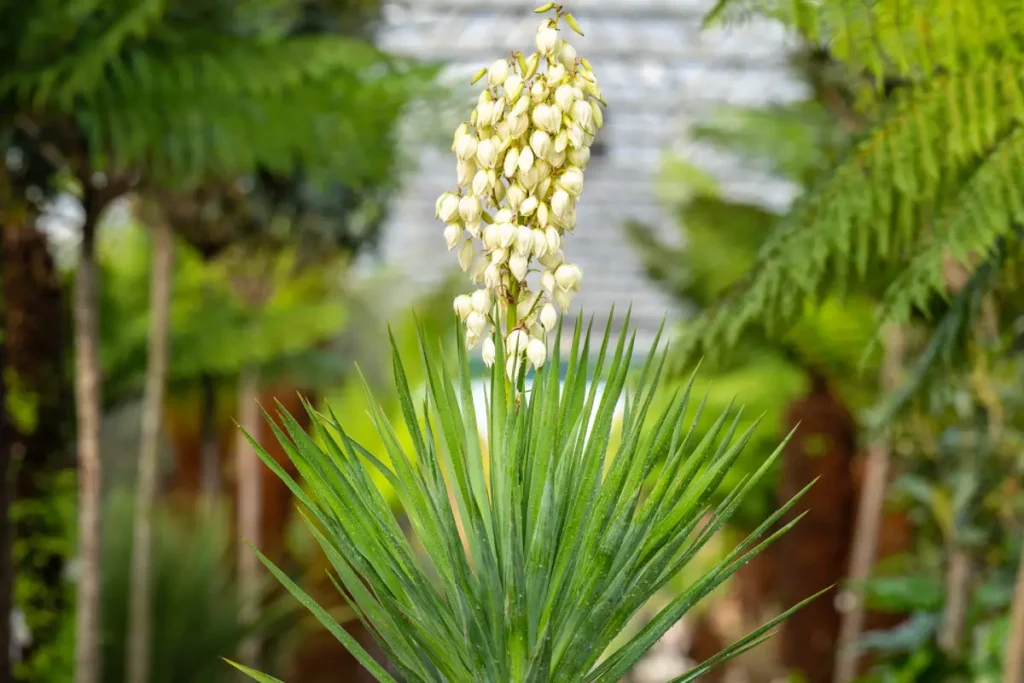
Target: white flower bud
x: 492, y: 276
x: 547, y: 37
x: 465, y: 171
x: 563, y: 299
x: 526, y: 159
x: 474, y: 228
x: 516, y: 342
x: 542, y: 214
x: 555, y: 74
x: 536, y: 352
x: 528, y: 179
x: 576, y: 135
x: 490, y: 237
x: 506, y: 235
x: 480, y: 301
x: 504, y: 216
x: 543, y: 187
x: 557, y: 159
x: 465, y: 147
x: 469, y: 208
x: 511, y: 161
x: 528, y: 206
x: 539, y: 244
x: 484, y: 112
x: 524, y: 240
x: 525, y: 306
x: 518, y: 264
x: 463, y: 129
x: 547, y: 281
x: 471, y: 338
x: 521, y: 105
x: 498, y: 256
x: 564, y: 97
x: 571, y: 181
x: 480, y: 182
x: 548, y: 317
x: 452, y: 235
x: 497, y: 73
x: 568, y: 276
x: 476, y: 271
x: 538, y: 92
x: 466, y: 255
x: 553, y: 239
x: 513, y: 87
x: 515, y: 196
x: 447, y: 207
x: 543, y: 170
x: 552, y: 259
x: 583, y: 115
x: 463, y: 306
x: 502, y: 129
x: 476, y: 322
x: 486, y: 154
x: 498, y: 189
x: 540, y: 143
x: 561, y: 141
x: 560, y: 202
x: 567, y: 55
x: 487, y: 352
x: 579, y: 157
x: 517, y: 125
x: 547, y: 118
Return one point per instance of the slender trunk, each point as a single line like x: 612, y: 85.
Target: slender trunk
x: 140, y: 607
x: 249, y: 495
x: 954, y: 616
x: 210, y: 483
x: 87, y: 406
x: 1013, y: 662
x: 867, y: 525
x: 6, y: 562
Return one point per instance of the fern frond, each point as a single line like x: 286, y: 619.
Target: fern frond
x: 989, y: 208
x: 903, y: 174
x: 905, y: 39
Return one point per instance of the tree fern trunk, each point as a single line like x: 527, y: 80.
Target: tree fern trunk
x: 6, y: 450
x: 868, y: 523
x: 87, y: 400
x: 140, y: 610
x: 249, y: 494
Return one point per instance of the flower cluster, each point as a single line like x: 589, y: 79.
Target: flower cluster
x: 521, y: 159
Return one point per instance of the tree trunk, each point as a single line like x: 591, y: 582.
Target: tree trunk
x: 6, y: 450
x: 868, y: 524
x: 210, y: 473
x: 140, y: 610
x: 34, y: 320
x: 1013, y: 662
x: 814, y: 554
x: 249, y: 514
x: 958, y: 588
x: 87, y: 404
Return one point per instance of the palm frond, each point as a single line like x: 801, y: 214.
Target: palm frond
x: 537, y: 545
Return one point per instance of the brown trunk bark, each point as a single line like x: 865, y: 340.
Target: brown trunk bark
x: 6, y: 450
x: 87, y: 404
x: 210, y: 482
x: 249, y: 514
x: 140, y: 609
x: 816, y: 550
x: 34, y: 336
x: 869, y: 517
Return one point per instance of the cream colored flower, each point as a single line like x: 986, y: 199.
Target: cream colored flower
x: 536, y: 352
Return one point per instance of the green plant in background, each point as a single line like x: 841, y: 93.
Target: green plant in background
x: 533, y: 552
x: 195, y: 603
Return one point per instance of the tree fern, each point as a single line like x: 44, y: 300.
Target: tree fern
x: 933, y: 175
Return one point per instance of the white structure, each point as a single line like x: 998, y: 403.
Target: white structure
x: 658, y: 71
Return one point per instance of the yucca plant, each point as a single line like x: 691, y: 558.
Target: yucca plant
x: 535, y: 541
